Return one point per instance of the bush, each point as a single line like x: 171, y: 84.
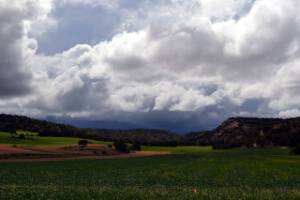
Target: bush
x: 82, y: 143
x: 22, y: 136
x: 136, y: 147
x: 296, y: 150
x: 121, y: 146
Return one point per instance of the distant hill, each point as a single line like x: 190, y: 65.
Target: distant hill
x: 249, y: 132
x: 232, y: 133
x: 153, y: 137
x: 12, y: 123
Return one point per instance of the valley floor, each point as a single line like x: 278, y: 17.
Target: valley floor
x: 248, y: 174
x: 21, y: 153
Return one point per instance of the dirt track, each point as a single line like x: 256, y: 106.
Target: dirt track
x: 63, y: 152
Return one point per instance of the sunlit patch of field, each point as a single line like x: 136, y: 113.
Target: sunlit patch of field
x: 7, y: 138
x: 30, y: 133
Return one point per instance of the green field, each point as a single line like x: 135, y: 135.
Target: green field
x: 6, y: 138
x: 179, y: 149
x: 234, y: 174
x: 27, y: 132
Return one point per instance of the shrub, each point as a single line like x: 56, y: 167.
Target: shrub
x: 136, y: 147
x: 82, y: 143
x: 296, y: 150
x: 22, y: 136
x: 121, y: 146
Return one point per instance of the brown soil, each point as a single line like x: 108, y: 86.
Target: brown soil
x: 21, y: 153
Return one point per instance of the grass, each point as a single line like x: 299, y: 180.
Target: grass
x: 179, y: 149
x: 232, y: 174
x: 6, y: 138
x: 27, y: 132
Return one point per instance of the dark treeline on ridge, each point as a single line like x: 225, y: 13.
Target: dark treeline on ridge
x: 237, y: 132
x: 12, y: 123
x: 243, y: 132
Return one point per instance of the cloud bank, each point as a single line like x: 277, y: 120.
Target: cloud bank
x: 162, y: 62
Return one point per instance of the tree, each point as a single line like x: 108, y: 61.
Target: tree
x: 82, y: 143
x: 136, y: 147
x: 121, y: 146
x: 22, y: 136
x: 296, y: 150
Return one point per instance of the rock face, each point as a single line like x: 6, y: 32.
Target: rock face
x: 232, y: 133
x: 250, y: 132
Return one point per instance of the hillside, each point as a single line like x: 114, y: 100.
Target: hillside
x: 249, y: 132
x: 152, y: 137
x: 12, y: 123
x: 232, y: 133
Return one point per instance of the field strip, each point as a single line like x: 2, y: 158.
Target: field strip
x: 130, y: 155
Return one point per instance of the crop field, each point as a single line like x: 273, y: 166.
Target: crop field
x: 6, y: 138
x: 179, y: 149
x: 27, y: 132
x: 234, y: 174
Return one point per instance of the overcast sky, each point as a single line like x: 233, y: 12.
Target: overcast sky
x: 182, y: 65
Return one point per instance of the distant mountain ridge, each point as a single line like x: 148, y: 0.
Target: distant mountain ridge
x: 12, y: 123
x: 249, y: 132
x: 232, y: 133
x: 142, y: 136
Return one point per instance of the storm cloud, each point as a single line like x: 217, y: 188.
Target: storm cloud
x: 174, y: 64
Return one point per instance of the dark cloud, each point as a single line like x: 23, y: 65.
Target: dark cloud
x: 87, y: 97
x: 184, y: 122
x: 15, y: 77
x: 14, y: 80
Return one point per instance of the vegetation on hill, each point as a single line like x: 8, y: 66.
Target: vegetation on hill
x: 12, y: 123
x: 151, y: 137
x: 232, y: 133
x: 249, y: 133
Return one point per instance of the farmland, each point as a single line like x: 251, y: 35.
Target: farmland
x: 179, y: 149
x: 6, y: 138
x: 231, y: 174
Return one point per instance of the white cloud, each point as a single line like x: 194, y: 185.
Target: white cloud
x: 182, y: 56
x: 289, y: 113
x: 17, y: 48
x: 110, y: 4
x: 286, y: 87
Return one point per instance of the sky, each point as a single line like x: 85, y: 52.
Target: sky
x: 167, y: 64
